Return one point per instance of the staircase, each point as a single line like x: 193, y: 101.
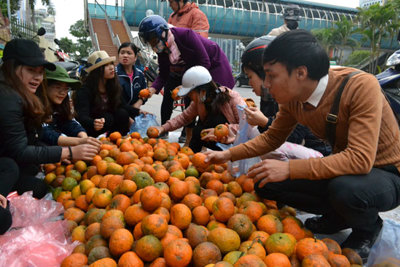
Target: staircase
x: 120, y: 31
x: 104, y: 36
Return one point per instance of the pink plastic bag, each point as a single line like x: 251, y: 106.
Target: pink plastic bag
x: 26, y: 210
x: 36, y: 237
x: 37, y: 245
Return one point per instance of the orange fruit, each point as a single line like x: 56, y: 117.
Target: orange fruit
x: 120, y: 202
x: 308, y: 246
x: 281, y: 242
x: 174, y: 94
x: 102, y: 197
x: 337, y: 260
x: 220, y: 131
x: 75, y: 259
x: 253, y: 248
x: 249, y: 260
x: 201, y: 216
x: 109, y: 225
x: 181, y: 216
x: 152, y: 132
x: 134, y: 214
x: 226, y: 239
x: 121, y: 241
x: 223, y: 209
x: 154, y: 224
x: 206, y: 253
x: 115, y: 136
x: 315, y: 260
x: 259, y: 236
x: 178, y: 253
x: 277, y: 259
x: 150, y: 198
x: 148, y: 248
x: 198, y: 161
x: 144, y: 93
x: 241, y: 224
x: 130, y: 259
x: 270, y: 224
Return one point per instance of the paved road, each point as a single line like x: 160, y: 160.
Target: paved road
x: 154, y: 106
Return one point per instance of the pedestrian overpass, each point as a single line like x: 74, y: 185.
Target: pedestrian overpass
x: 230, y: 18
x: 231, y: 21
x: 244, y: 18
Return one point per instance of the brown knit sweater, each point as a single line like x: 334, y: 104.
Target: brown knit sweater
x: 367, y: 133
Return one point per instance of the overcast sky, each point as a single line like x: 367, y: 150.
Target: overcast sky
x: 69, y: 11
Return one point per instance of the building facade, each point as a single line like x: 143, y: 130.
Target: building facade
x: 367, y: 3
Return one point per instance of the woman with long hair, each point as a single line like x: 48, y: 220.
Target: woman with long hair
x: 22, y: 114
x: 63, y: 129
x: 213, y: 104
x: 98, y: 104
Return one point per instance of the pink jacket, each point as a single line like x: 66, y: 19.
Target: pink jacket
x: 228, y: 109
x: 191, y: 17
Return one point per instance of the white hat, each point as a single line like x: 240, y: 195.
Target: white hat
x: 194, y: 77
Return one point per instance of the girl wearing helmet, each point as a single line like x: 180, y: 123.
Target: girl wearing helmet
x: 263, y: 117
x: 178, y: 50
x: 213, y: 104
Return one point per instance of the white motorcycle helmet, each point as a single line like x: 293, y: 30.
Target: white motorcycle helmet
x: 194, y: 77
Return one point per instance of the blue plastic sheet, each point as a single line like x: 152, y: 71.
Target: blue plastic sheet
x: 142, y: 123
x: 387, y: 245
x: 246, y: 132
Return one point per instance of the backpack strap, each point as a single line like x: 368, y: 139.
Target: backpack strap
x: 331, y: 118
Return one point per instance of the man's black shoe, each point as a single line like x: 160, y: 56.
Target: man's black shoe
x: 323, y: 225
x: 362, y: 241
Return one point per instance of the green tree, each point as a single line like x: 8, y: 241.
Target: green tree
x: 14, y: 7
x: 342, y: 33
x: 325, y: 38
x: 67, y: 45
x: 83, y: 44
x: 376, y: 22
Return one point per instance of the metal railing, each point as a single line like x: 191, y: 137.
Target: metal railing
x: 21, y: 29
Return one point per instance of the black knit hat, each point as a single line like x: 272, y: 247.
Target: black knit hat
x: 26, y: 52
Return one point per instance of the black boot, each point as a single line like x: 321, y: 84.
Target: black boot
x: 324, y: 225
x: 361, y: 241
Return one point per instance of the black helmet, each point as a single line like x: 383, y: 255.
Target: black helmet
x: 252, y: 55
x: 292, y: 12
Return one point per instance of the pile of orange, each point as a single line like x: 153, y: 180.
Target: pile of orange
x: 147, y: 202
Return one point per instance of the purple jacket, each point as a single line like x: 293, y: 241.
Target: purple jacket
x: 196, y: 50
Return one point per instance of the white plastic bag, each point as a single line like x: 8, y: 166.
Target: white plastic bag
x: 245, y: 133
x: 387, y: 245
x: 142, y: 122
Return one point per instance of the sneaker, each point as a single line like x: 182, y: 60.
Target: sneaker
x: 324, y: 225
x: 362, y: 241
x: 164, y: 136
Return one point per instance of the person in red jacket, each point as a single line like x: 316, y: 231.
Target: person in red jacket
x: 188, y: 15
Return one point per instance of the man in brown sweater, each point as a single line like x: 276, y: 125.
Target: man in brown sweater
x: 361, y: 177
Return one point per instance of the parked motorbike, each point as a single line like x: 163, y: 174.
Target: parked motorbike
x: 390, y: 82
x: 64, y: 60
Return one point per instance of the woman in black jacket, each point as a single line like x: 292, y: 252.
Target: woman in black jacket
x: 22, y: 114
x: 98, y: 104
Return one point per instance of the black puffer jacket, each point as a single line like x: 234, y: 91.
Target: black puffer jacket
x: 18, y: 140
